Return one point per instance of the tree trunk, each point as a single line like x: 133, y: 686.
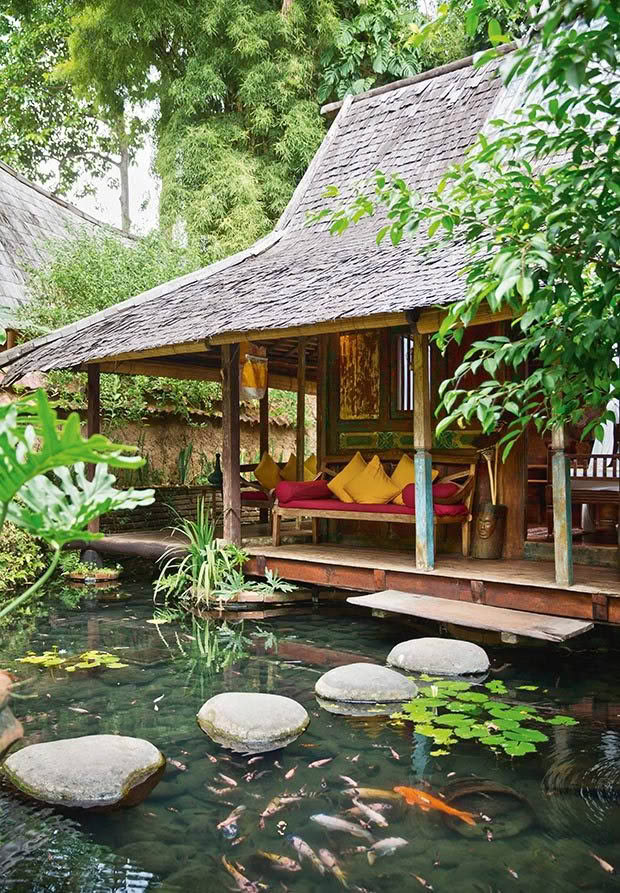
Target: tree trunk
x: 123, y: 167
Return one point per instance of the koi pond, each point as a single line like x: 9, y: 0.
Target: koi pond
x: 549, y: 818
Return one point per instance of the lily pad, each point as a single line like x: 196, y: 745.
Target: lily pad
x: 560, y: 720
x: 496, y: 686
x: 454, y: 719
x: 519, y: 748
x: 526, y: 735
x: 476, y: 696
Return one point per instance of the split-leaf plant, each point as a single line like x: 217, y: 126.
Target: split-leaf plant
x: 44, y: 485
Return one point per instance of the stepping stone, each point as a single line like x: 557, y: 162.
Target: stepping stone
x: 93, y: 772
x: 252, y: 722
x: 440, y: 657
x: 365, y: 683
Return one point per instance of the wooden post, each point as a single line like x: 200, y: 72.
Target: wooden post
x: 11, y: 339
x: 231, y: 491
x: 422, y: 441
x: 301, y: 407
x: 93, y: 421
x: 322, y: 404
x: 263, y: 407
x: 512, y: 492
x: 562, y: 511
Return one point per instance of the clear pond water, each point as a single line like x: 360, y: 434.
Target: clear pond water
x: 569, y: 789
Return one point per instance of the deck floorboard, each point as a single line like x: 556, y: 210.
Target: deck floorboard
x: 502, y: 620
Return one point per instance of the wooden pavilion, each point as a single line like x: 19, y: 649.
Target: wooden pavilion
x: 342, y: 317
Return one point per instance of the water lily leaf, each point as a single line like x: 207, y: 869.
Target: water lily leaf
x: 425, y: 729
x: 495, y: 741
x: 526, y: 735
x: 527, y: 687
x: 506, y: 712
x: 463, y: 707
x: 496, y: 686
x: 454, y: 719
x: 475, y: 731
x: 560, y: 720
x: 448, y: 687
x: 518, y: 748
x: 504, y: 724
x: 435, y: 702
x: 426, y: 678
x: 476, y: 696
x: 440, y: 753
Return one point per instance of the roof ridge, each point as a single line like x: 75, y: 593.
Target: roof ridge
x: 63, y: 203
x: 449, y: 67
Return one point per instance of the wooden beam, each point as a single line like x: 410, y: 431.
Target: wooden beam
x: 422, y: 441
x: 263, y: 423
x: 165, y: 350
x: 353, y: 324
x: 231, y: 494
x: 562, y: 510
x: 300, y: 447
x: 430, y: 320
x: 187, y: 372
x: 93, y: 422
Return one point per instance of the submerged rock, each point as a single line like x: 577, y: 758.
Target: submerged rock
x: 365, y: 683
x: 442, y: 657
x: 252, y: 722
x: 93, y: 772
x: 11, y: 730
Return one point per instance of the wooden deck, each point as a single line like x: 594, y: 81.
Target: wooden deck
x: 469, y: 614
x: 523, y: 585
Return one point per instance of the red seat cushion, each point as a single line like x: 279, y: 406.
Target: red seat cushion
x: 372, y: 508
x: 252, y: 495
x: 289, y: 490
x: 338, y: 506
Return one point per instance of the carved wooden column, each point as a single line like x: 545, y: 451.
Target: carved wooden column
x: 562, y: 512
x: 231, y: 491
x: 93, y: 421
x: 263, y: 446
x: 422, y: 441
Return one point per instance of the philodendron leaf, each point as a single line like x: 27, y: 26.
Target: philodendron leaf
x: 59, y: 511
x: 34, y: 441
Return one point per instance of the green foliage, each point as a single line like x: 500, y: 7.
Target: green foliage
x: 22, y: 558
x: 536, y: 203
x: 210, y: 572
x: 476, y: 716
x: 33, y: 444
x: 70, y: 563
x: 41, y: 119
x: 374, y: 47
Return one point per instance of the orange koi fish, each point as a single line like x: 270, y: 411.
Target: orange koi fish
x: 426, y: 802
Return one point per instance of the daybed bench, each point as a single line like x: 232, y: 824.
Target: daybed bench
x: 452, y: 499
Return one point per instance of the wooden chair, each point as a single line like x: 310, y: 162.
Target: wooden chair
x: 594, y: 480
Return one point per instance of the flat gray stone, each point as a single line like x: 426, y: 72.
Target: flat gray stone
x: 365, y: 684
x: 252, y: 722
x: 441, y: 657
x: 96, y: 771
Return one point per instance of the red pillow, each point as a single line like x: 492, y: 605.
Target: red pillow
x: 440, y: 491
x: 287, y: 491
x: 445, y: 490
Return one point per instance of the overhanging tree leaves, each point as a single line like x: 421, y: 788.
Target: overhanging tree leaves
x: 536, y: 203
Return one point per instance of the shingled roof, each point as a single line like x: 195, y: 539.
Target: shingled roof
x: 30, y: 217
x: 301, y: 275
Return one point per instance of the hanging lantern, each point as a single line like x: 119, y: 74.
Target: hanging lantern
x: 252, y: 371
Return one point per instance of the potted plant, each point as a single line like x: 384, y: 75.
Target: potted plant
x: 490, y: 526
x: 87, y: 571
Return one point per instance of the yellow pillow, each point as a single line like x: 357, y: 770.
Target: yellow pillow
x: 404, y: 474
x: 338, y: 484
x: 267, y: 472
x: 372, y: 486
x: 310, y: 471
x: 289, y: 472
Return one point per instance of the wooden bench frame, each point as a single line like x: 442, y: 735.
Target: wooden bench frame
x: 465, y: 494
x: 587, y: 470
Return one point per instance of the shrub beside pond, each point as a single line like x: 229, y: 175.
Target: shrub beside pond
x: 22, y: 558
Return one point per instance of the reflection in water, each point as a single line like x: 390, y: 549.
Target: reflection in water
x: 570, y: 788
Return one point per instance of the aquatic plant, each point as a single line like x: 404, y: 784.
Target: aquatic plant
x: 210, y: 571
x: 87, y: 660
x: 71, y: 564
x: 450, y: 711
